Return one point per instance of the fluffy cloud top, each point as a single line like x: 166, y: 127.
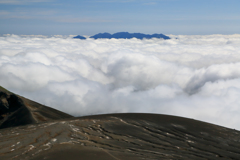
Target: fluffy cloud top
x: 191, y: 76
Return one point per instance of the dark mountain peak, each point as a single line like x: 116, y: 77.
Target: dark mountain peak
x: 79, y: 37
x: 102, y: 35
x: 160, y: 36
x: 16, y: 111
x: 124, y: 35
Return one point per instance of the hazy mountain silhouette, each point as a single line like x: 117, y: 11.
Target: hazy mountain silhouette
x: 126, y: 35
x: 79, y: 37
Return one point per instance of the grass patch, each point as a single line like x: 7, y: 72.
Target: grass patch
x: 4, y: 90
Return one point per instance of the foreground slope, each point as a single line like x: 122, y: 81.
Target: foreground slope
x: 16, y: 110
x: 120, y: 137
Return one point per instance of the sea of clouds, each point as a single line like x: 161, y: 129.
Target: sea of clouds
x: 190, y: 76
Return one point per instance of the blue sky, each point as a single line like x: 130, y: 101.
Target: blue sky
x: 88, y: 17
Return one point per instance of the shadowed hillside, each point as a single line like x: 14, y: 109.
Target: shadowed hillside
x: 16, y: 110
x: 108, y: 137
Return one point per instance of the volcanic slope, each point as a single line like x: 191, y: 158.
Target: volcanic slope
x: 16, y: 110
x: 111, y: 137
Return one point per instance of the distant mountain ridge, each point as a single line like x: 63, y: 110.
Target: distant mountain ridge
x: 125, y: 35
x: 80, y: 37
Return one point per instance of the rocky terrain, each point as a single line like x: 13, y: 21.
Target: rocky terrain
x: 16, y: 110
x: 33, y: 131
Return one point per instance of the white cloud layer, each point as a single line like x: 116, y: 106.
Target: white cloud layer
x: 191, y: 76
